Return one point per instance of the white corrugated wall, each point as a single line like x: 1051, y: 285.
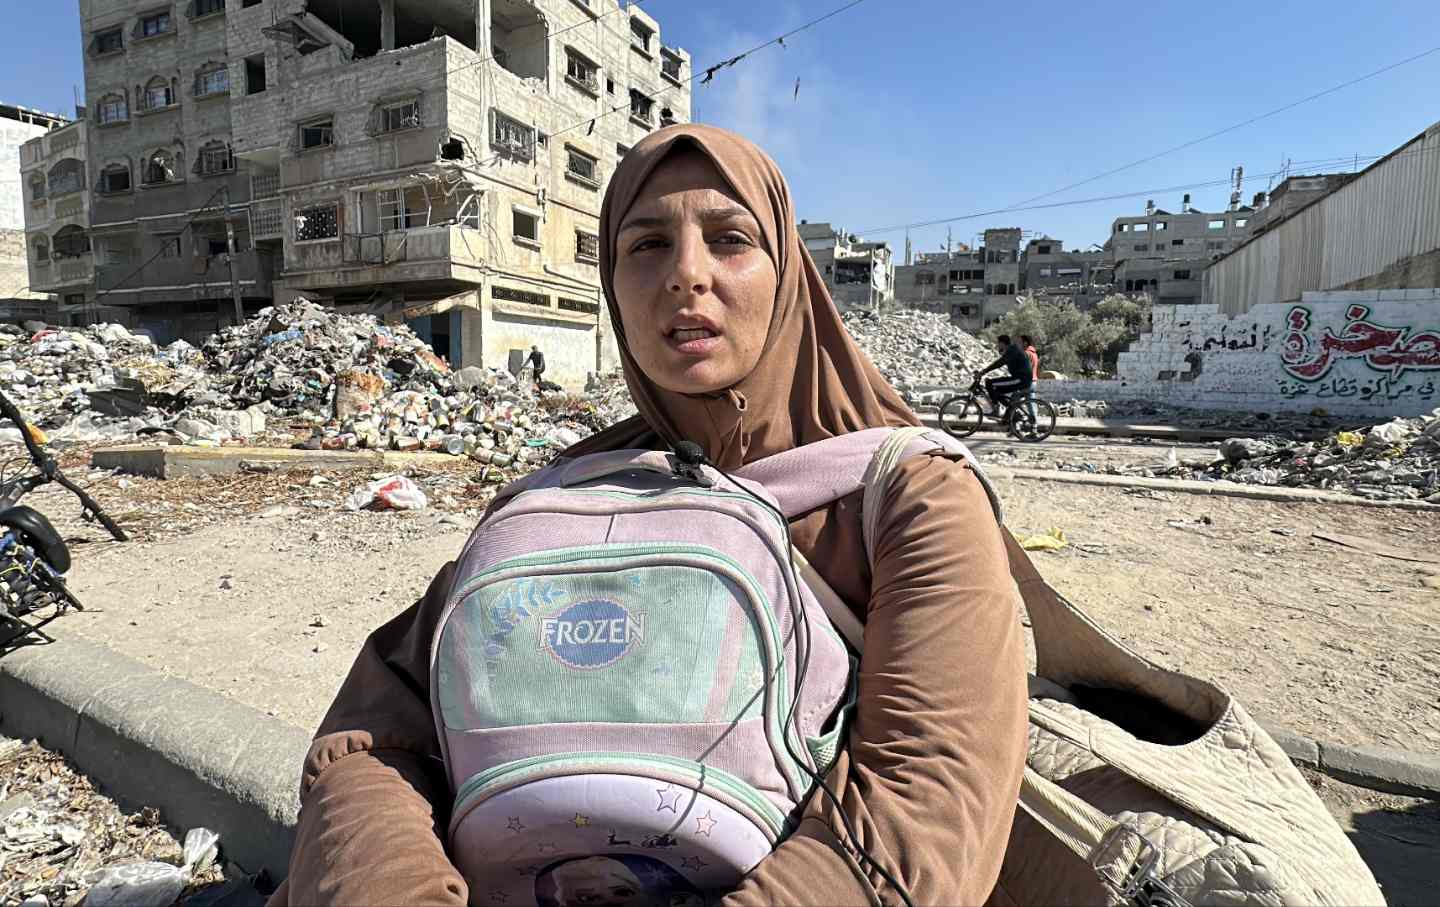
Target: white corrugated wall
x: 1389, y: 213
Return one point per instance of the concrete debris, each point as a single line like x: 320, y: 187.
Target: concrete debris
x: 1397, y: 460
x: 1143, y: 411
x: 60, y: 838
x: 917, y: 351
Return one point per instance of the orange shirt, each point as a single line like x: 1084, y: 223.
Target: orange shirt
x: 1034, y: 362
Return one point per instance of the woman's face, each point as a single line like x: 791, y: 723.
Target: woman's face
x: 693, y: 280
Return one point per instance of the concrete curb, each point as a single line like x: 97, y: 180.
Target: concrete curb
x: 1379, y: 768
x: 154, y: 740
x: 165, y: 462
x: 1219, y: 488
x: 1114, y: 428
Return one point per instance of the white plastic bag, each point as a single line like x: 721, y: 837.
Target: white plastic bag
x: 389, y: 493
x: 153, y: 884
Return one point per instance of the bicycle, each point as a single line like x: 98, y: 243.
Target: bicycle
x: 1030, y: 419
x: 33, y: 556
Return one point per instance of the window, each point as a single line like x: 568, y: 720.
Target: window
x: 1140, y: 228
x: 581, y: 72
x: 170, y: 246
x: 111, y: 41
x: 526, y: 226
x: 212, y: 80
x: 1142, y: 247
x: 1045, y: 272
x: 70, y: 242
x: 159, y: 94
x: 255, y: 74
x: 1162, y: 225
x: 246, y: 4
x: 1241, y: 221
x: 317, y: 134
x: 609, y: 86
x: 1182, y: 274
x: 582, y: 167
x: 394, y: 214
x: 587, y: 246
x: 1213, y: 244
x: 1042, y: 250
x: 200, y: 8
x: 512, y: 136
x: 505, y: 294
x: 37, y: 188
x: 159, y: 169
x: 1176, y: 242
x: 111, y: 109
x: 115, y: 178
x: 1218, y: 224
x: 405, y: 115
x: 670, y: 64
x: 67, y: 176
x: 642, y: 108
x: 155, y: 24
x: 924, y: 278
x: 1123, y: 228
x: 640, y: 35
x: 317, y: 222
x: 579, y: 305
x: 42, y: 249
x: 215, y: 158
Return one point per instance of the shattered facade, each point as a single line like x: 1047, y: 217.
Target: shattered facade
x: 440, y: 163
x: 858, y: 274
x: 54, y: 169
x: 974, y: 287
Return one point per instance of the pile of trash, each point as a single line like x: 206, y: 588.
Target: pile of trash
x: 1397, y: 460
x: 914, y: 349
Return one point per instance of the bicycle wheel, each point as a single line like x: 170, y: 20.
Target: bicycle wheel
x: 1032, y: 420
x: 961, y: 416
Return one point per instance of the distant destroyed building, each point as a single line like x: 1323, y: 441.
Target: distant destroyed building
x: 25, y: 191
x: 858, y: 274
x: 440, y: 162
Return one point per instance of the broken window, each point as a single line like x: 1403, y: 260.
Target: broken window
x: 505, y: 294
x: 255, y: 74
x: 67, y: 176
x: 317, y: 222
x: 581, y: 166
x: 170, y: 246
x: 526, y: 226
x: 114, y: 178
x: 159, y: 93
x: 400, y: 208
x: 1122, y: 228
x: 70, y: 242
x: 579, y: 305
x: 215, y: 158
x: 110, y: 41
x: 1217, y: 224
x: 1183, y: 274
x: 642, y: 108
x: 200, y: 8
x: 404, y: 115
x: 670, y: 64
x: 1042, y: 250
x: 318, y: 133
x: 156, y: 24
x: 587, y: 246
x: 1177, y: 242
x: 511, y: 136
x: 924, y: 278
x: 581, y: 72
x: 640, y: 34
x: 37, y: 188
x: 159, y: 168
x: 212, y: 80
x: 609, y: 86
x: 42, y: 249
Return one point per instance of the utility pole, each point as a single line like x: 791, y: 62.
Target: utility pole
x: 230, y: 262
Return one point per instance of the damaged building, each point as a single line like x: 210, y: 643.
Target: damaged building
x: 440, y: 162
x: 858, y: 274
x: 24, y: 185
x: 975, y: 287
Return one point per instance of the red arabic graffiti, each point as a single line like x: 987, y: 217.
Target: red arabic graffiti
x: 1383, y: 348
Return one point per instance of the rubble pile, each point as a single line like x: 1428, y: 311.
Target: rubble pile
x: 1397, y: 460
x: 916, y: 349
x: 1163, y: 414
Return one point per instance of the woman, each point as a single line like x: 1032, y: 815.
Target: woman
x: 729, y: 339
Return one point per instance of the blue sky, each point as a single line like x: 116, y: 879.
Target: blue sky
x: 929, y: 109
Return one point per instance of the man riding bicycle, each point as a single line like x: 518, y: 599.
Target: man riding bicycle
x: 1021, y: 374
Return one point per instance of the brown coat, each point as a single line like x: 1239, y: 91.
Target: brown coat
x: 929, y: 779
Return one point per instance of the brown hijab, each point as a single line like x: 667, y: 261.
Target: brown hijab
x: 812, y: 381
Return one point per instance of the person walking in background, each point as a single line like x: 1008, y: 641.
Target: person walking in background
x: 537, y: 363
x: 1029, y: 346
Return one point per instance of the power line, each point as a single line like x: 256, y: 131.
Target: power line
x: 1020, y: 206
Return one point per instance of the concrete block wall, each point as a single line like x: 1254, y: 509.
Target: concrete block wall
x: 1368, y: 354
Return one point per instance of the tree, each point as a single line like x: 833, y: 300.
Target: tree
x: 1069, y: 339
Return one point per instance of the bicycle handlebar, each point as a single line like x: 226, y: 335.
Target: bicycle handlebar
x: 12, y: 412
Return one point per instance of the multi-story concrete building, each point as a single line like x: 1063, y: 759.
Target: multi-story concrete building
x: 858, y: 274
x: 55, y: 172
x: 1166, y: 254
x: 1002, y: 272
x: 18, y: 125
x: 439, y: 162
x: 25, y: 192
x: 1293, y: 193
x: 1083, y: 278
x: 974, y: 287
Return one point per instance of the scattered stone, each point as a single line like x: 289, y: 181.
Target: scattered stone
x: 914, y: 349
